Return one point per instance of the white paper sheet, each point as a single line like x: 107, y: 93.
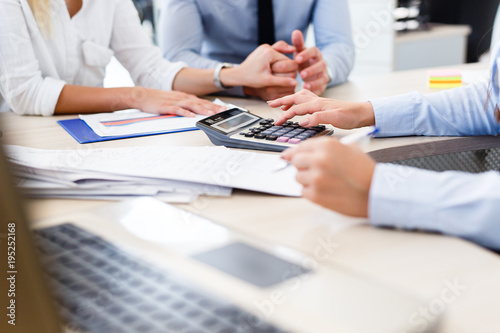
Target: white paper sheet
x: 130, y: 122
x: 207, y: 165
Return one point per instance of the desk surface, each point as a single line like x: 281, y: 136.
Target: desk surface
x: 417, y: 262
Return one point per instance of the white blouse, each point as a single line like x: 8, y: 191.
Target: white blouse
x: 34, y: 68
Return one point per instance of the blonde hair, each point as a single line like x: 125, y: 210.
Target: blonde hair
x: 41, y: 12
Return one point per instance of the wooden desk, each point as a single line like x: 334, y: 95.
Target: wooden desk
x: 416, y: 262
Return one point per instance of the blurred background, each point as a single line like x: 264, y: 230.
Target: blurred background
x: 393, y: 35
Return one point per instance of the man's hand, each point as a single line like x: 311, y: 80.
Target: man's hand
x: 284, y: 67
x: 312, y: 66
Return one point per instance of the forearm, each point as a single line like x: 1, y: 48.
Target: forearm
x: 201, y: 81
x: 455, y: 203
x: 79, y: 99
x: 459, y: 111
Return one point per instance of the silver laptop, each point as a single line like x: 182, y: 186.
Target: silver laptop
x: 145, y: 266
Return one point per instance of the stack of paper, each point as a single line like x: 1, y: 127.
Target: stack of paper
x: 444, y: 79
x: 173, y: 174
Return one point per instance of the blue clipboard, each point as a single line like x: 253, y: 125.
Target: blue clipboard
x: 82, y: 133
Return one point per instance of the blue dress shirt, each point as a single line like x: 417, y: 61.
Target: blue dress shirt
x: 204, y: 33
x: 455, y: 203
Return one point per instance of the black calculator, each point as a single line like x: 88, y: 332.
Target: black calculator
x: 241, y: 129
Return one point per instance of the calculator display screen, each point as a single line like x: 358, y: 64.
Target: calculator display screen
x: 233, y: 123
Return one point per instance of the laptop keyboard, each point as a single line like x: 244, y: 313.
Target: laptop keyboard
x: 101, y: 288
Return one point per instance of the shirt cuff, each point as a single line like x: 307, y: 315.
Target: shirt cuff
x: 395, y: 116
x: 403, y: 197
x: 50, y: 95
x: 170, y: 72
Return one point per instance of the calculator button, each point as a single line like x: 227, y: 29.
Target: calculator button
x: 271, y: 137
x: 267, y: 132
x: 260, y: 136
x: 287, y: 123
x: 262, y: 128
x: 256, y: 130
x: 276, y: 128
x: 249, y: 134
x: 302, y: 137
x: 311, y: 132
x: 242, y: 133
x: 268, y: 125
x: 271, y: 120
x: 294, y: 141
x: 288, y: 135
x: 282, y: 139
x: 295, y: 125
x: 264, y: 122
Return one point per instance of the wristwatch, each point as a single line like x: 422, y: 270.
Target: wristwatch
x: 217, y: 82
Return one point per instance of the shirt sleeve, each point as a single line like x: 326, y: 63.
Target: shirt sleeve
x: 21, y: 82
x: 185, y: 46
x: 454, y: 203
x: 468, y: 110
x: 137, y: 53
x: 332, y: 31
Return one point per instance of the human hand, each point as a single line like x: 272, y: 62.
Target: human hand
x: 341, y: 114
x: 285, y: 67
x: 172, y: 102
x: 333, y: 175
x: 312, y: 66
x: 257, y: 72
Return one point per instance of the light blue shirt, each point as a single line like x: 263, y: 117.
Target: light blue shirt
x: 204, y: 33
x: 454, y: 203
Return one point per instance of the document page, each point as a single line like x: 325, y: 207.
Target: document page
x: 207, y: 165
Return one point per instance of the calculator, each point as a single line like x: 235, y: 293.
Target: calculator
x: 241, y: 129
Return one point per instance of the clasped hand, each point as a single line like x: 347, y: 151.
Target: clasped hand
x: 308, y: 62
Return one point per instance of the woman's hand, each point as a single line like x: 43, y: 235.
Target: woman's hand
x: 172, y: 102
x: 340, y: 114
x: 333, y: 175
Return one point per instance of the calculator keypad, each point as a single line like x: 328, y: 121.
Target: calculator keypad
x: 288, y: 132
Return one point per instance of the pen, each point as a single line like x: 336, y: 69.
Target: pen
x: 366, y: 132
x: 359, y: 135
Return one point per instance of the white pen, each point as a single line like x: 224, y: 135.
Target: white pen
x: 359, y: 135
x: 366, y: 132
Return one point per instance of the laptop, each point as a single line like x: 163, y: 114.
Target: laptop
x: 146, y: 266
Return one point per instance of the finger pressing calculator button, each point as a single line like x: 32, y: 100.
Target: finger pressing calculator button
x: 271, y: 137
x: 287, y: 123
x: 260, y: 136
x: 249, y: 134
x: 294, y: 141
x: 282, y: 139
